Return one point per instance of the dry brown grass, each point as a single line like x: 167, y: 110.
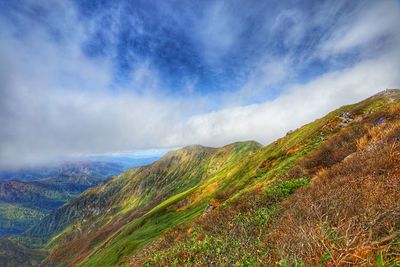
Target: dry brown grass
x: 350, y: 212
x: 362, y: 142
x: 394, y: 109
x: 334, y: 150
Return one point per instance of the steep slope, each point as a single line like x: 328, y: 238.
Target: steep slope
x: 359, y: 222
x: 101, y: 211
x: 24, y: 203
x: 235, y: 205
x: 346, y: 212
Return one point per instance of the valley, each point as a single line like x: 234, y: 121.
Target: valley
x: 31, y: 194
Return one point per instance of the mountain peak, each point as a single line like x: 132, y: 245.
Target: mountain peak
x: 189, y: 150
x: 196, y: 147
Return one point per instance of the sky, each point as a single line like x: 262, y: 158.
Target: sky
x: 97, y: 77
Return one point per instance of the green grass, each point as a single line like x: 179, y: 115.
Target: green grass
x: 374, y: 105
x: 284, y: 189
x: 138, y: 233
x: 141, y: 231
x: 236, y: 245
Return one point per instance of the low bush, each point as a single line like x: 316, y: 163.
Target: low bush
x: 348, y: 215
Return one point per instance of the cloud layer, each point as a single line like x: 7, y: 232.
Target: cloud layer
x: 87, y: 78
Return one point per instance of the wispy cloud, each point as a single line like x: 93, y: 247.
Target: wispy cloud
x: 372, y: 24
x: 298, y: 105
x: 77, y: 78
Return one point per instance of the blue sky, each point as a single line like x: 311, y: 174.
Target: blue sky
x: 92, y: 76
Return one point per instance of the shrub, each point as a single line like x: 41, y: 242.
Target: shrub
x: 350, y: 212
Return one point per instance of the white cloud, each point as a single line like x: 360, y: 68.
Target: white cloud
x: 373, y: 21
x: 55, y: 101
x: 299, y: 105
x: 292, y: 23
x: 266, y: 74
x: 217, y: 31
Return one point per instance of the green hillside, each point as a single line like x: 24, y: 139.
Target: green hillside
x: 288, y: 203
x: 345, y: 214
x: 104, y: 209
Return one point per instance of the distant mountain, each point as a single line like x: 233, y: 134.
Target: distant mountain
x: 129, y: 161
x: 103, y: 166
x: 34, y: 193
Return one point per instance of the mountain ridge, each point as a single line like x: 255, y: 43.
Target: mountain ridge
x: 199, y: 201
x: 169, y: 161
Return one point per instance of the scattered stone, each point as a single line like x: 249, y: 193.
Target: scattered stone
x: 343, y: 124
x: 209, y: 208
x: 345, y: 115
x: 349, y: 157
x: 386, y: 92
x: 374, y: 146
x: 346, y: 118
x: 358, y: 119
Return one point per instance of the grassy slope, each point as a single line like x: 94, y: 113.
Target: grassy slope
x: 257, y: 227
x: 235, y: 180
x: 270, y: 170
x: 101, y: 212
x: 164, y: 216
